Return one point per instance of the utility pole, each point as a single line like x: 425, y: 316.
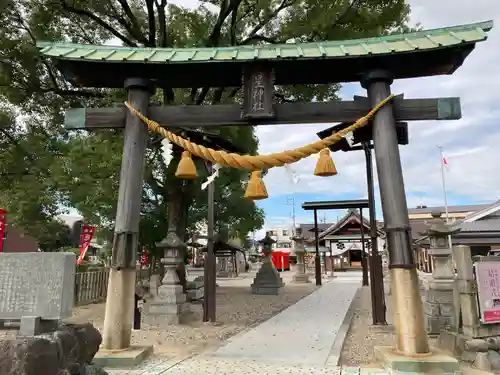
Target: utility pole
x: 291, y: 201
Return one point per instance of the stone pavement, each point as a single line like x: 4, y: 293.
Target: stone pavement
x: 301, y: 340
x: 302, y: 334
x: 209, y: 366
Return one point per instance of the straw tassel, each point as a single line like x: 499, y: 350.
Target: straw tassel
x: 256, y: 189
x: 186, y: 168
x: 325, y: 165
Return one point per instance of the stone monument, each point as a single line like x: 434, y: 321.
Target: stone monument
x: 169, y: 306
x: 37, y: 289
x: 300, y: 276
x: 267, y: 281
x: 438, y: 303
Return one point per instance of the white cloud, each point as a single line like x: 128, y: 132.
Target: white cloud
x: 471, y: 144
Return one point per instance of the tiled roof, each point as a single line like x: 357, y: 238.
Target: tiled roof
x: 451, y: 209
x: 310, y: 227
x: 490, y: 225
x: 391, y: 44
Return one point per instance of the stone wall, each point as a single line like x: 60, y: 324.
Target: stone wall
x: 69, y: 351
x: 438, y: 305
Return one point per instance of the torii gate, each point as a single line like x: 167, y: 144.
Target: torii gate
x: 374, y: 62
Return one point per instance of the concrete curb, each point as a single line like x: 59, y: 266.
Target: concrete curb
x: 338, y: 344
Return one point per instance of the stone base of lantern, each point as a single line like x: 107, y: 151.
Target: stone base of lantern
x: 301, y: 278
x: 169, y: 307
x: 267, y: 281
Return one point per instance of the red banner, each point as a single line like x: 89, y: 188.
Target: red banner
x: 3, y: 222
x: 144, y: 257
x: 85, y: 238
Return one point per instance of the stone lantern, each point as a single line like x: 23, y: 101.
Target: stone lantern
x: 169, y: 305
x: 439, y: 231
x: 267, y: 281
x: 300, y: 276
x: 439, y: 290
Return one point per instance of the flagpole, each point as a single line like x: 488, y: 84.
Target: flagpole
x: 443, y: 180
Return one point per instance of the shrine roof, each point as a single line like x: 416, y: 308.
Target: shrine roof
x: 335, y: 205
x: 422, y: 53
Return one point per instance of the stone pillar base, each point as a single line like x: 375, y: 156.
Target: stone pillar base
x: 170, y: 307
x: 436, y: 362
x: 123, y: 358
x: 438, y: 305
x: 301, y: 278
x: 225, y: 274
x: 267, y: 281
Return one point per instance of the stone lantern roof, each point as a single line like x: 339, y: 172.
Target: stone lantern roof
x: 437, y: 227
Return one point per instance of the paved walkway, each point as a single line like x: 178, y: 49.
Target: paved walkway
x: 301, y: 340
x: 303, y: 334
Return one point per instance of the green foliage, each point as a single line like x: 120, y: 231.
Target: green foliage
x: 44, y: 168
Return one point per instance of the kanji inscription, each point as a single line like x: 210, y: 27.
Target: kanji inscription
x: 258, y: 93
x: 36, y: 284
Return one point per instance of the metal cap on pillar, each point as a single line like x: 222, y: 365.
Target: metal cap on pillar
x: 376, y: 76
x: 140, y: 83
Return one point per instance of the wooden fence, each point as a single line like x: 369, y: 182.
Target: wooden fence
x: 92, y: 287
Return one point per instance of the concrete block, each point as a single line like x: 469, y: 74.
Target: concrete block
x: 434, y: 325
x: 441, y: 284
x: 435, y: 363
x: 124, y: 358
x: 439, y: 296
x: 195, y: 294
x: 301, y: 278
x: 34, y: 325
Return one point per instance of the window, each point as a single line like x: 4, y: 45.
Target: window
x: 285, y: 232
x: 272, y: 233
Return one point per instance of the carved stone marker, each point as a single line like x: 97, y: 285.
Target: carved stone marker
x: 36, y: 288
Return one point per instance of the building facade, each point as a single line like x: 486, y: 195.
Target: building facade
x: 479, y: 224
x: 341, y: 243
x: 282, y: 236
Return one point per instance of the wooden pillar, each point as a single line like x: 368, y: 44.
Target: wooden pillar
x: 119, y: 313
x: 411, y: 338
x: 317, y: 260
x: 210, y: 266
x: 364, y: 263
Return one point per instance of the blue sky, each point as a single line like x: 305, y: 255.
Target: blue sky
x: 470, y: 144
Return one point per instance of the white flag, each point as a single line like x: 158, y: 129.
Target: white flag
x: 166, y: 151
x: 212, y: 177
x: 349, y: 137
x: 291, y: 174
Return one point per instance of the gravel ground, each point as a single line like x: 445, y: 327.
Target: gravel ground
x: 237, y: 310
x: 363, y: 336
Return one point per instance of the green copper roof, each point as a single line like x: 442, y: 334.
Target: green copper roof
x: 400, y: 43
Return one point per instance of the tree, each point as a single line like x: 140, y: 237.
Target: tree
x: 85, y: 172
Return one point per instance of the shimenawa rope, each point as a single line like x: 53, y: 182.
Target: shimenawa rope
x: 257, y: 162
